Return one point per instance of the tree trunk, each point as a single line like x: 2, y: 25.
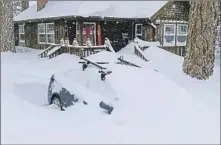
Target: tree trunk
x: 7, y: 42
x: 199, y: 59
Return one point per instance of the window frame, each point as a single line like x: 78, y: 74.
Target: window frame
x: 46, y: 33
x: 42, y: 33
x: 165, y: 34
x: 53, y: 33
x: 179, y: 33
x: 23, y: 33
x: 138, y: 34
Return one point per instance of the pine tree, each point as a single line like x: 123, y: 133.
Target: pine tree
x: 19, y: 6
x: 16, y: 7
x: 7, y: 42
x: 199, y: 59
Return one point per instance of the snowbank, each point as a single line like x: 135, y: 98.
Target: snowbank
x: 149, y: 107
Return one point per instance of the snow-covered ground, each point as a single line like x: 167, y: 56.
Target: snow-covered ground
x: 149, y: 107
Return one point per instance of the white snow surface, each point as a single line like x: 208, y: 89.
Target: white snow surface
x: 122, y: 9
x: 162, y: 107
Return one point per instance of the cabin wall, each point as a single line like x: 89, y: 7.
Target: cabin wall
x: 119, y: 32
x: 59, y: 27
x: 16, y: 34
x: 175, y: 13
x: 31, y: 35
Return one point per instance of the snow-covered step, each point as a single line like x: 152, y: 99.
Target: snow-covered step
x: 51, y: 52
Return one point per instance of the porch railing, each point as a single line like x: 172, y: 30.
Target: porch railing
x: 78, y: 50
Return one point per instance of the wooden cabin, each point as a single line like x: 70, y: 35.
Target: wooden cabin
x: 50, y: 21
x: 171, y: 22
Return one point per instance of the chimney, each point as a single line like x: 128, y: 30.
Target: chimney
x: 24, y: 4
x: 41, y: 4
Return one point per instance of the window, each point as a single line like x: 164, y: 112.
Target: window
x: 169, y: 35
x: 181, y: 34
x: 41, y: 33
x: 46, y: 33
x: 50, y: 33
x: 89, y: 31
x: 21, y: 33
x: 138, y: 30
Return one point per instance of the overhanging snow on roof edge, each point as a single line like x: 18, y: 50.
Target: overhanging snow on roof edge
x: 117, y: 9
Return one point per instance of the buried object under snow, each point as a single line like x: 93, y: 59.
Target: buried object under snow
x: 106, y: 107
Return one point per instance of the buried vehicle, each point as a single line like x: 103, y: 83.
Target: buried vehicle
x: 63, y: 87
x: 58, y: 95
x: 64, y: 95
x: 61, y: 97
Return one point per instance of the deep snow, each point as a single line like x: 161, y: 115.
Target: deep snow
x: 149, y: 107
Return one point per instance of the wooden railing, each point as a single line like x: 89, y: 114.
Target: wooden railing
x: 86, y: 50
x: 81, y: 51
x: 139, y: 53
x: 77, y: 50
x: 45, y: 52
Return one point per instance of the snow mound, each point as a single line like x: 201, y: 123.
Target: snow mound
x: 149, y: 107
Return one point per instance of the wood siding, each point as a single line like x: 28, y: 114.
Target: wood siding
x: 16, y: 34
x: 31, y: 35
x: 174, y: 12
x: 59, y: 29
x: 119, y: 32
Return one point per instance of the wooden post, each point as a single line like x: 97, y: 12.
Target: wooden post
x: 81, y: 33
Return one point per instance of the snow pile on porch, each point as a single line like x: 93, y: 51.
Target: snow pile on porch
x: 151, y: 107
x: 143, y: 43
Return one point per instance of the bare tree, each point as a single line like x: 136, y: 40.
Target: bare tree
x: 199, y: 59
x: 6, y: 26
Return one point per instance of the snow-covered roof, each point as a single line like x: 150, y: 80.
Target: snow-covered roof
x: 120, y: 9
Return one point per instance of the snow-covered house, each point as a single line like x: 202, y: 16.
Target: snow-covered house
x: 48, y: 22
x: 171, y: 22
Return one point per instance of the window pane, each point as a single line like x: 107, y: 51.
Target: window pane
x: 42, y: 38
x: 22, y: 37
x: 139, y: 31
x: 182, y: 30
x: 41, y: 28
x: 50, y: 28
x: 169, y: 29
x: 169, y: 39
x: 181, y: 38
x: 139, y: 26
x: 50, y: 38
x: 21, y: 29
